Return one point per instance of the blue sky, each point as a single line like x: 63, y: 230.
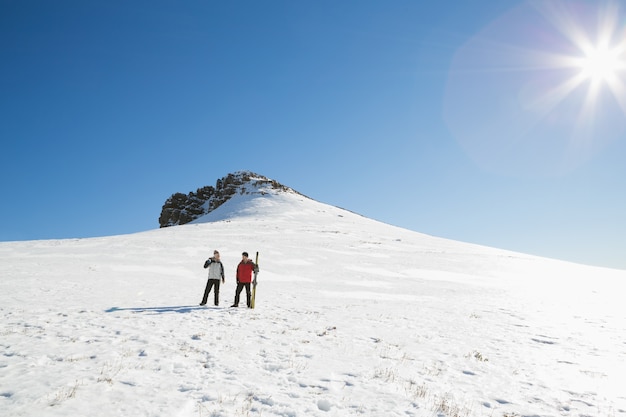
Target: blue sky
x: 447, y: 120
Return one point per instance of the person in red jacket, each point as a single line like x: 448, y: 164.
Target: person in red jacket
x: 245, y: 269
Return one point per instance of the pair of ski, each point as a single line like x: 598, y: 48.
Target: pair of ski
x: 256, y: 271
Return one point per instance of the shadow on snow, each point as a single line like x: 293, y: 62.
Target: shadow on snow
x: 159, y: 310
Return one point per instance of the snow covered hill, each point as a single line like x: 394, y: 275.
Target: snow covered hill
x: 354, y: 317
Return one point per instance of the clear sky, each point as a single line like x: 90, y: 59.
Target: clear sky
x: 498, y: 123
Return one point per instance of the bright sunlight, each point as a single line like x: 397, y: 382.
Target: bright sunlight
x: 541, y: 89
x: 602, y: 58
x: 601, y: 64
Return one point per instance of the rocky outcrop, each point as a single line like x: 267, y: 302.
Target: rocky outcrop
x: 183, y: 208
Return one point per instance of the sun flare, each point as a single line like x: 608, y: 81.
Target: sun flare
x: 541, y: 89
x: 601, y: 64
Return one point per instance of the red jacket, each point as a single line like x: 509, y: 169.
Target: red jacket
x: 244, y: 271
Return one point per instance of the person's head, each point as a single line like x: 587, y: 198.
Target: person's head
x: 244, y: 255
x: 216, y: 254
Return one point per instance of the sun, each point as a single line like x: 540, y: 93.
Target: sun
x: 542, y: 88
x: 601, y: 63
x: 601, y: 45
x: 597, y: 56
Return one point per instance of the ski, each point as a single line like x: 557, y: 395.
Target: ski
x: 256, y: 271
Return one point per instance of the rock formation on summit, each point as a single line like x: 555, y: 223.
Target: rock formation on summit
x: 183, y: 208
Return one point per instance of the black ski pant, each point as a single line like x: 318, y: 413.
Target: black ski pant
x: 216, y: 294
x: 241, y: 286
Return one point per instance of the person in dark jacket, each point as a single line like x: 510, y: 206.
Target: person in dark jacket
x: 216, y: 272
x: 245, y: 269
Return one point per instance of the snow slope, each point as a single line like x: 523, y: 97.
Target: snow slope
x: 353, y: 317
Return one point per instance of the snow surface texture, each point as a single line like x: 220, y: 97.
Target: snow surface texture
x: 354, y: 318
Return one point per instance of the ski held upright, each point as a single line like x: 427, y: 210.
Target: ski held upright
x: 256, y: 271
